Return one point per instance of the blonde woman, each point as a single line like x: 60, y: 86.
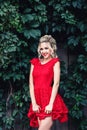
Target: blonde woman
x: 46, y: 104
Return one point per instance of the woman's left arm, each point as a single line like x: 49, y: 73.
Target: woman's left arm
x: 55, y: 87
x: 56, y: 82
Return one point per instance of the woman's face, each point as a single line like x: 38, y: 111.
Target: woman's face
x: 45, y: 50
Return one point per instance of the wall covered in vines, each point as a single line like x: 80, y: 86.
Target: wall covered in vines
x: 21, y: 25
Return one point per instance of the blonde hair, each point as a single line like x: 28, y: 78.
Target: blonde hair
x: 52, y: 42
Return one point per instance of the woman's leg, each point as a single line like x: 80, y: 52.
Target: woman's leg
x: 45, y: 124
x: 39, y: 121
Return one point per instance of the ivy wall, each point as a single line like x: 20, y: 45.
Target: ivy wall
x: 22, y: 23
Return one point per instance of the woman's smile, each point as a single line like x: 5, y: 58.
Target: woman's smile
x: 44, y: 54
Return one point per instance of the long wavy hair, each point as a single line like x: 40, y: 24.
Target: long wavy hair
x: 52, y: 41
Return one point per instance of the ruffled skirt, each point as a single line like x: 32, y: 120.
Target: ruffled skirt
x: 60, y: 110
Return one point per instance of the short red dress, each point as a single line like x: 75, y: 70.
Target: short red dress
x: 43, y: 77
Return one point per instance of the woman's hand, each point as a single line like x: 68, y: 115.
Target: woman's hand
x: 48, y: 108
x: 36, y: 108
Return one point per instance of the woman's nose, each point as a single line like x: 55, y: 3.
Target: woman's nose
x: 43, y: 50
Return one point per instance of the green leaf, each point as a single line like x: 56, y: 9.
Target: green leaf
x: 81, y: 26
x: 27, y: 34
x: 27, y: 18
x: 34, y: 24
x: 35, y: 33
x: 73, y: 40
x: 11, y: 48
x: 74, y: 3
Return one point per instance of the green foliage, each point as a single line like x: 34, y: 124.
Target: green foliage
x: 83, y: 125
x: 21, y: 24
x: 9, y: 14
x: 75, y: 86
x: 33, y: 18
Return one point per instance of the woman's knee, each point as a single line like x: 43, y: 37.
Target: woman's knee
x: 46, y: 124
x: 45, y: 127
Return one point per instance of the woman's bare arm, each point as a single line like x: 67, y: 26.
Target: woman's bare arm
x: 56, y: 82
x: 31, y: 86
x: 35, y: 106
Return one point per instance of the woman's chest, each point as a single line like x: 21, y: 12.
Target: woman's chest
x: 43, y: 70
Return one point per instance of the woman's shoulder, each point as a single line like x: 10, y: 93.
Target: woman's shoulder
x: 56, y: 60
x: 34, y: 61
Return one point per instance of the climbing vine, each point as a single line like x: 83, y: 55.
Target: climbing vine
x: 21, y: 25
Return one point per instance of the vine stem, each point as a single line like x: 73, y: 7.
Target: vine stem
x: 9, y: 95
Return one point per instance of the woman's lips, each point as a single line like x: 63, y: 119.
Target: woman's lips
x: 44, y: 54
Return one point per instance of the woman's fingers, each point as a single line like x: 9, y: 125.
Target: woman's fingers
x: 48, y: 109
x: 36, y: 108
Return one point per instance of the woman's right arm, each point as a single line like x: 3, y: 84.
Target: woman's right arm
x: 31, y: 85
x: 31, y: 88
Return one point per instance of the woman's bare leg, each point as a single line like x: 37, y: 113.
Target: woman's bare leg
x: 39, y: 121
x: 45, y: 124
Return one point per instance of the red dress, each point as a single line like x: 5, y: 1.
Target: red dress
x: 43, y: 77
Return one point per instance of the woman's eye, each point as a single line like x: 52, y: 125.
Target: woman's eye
x: 46, y: 48
x: 41, y: 49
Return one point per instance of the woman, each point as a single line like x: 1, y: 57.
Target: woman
x: 46, y: 104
